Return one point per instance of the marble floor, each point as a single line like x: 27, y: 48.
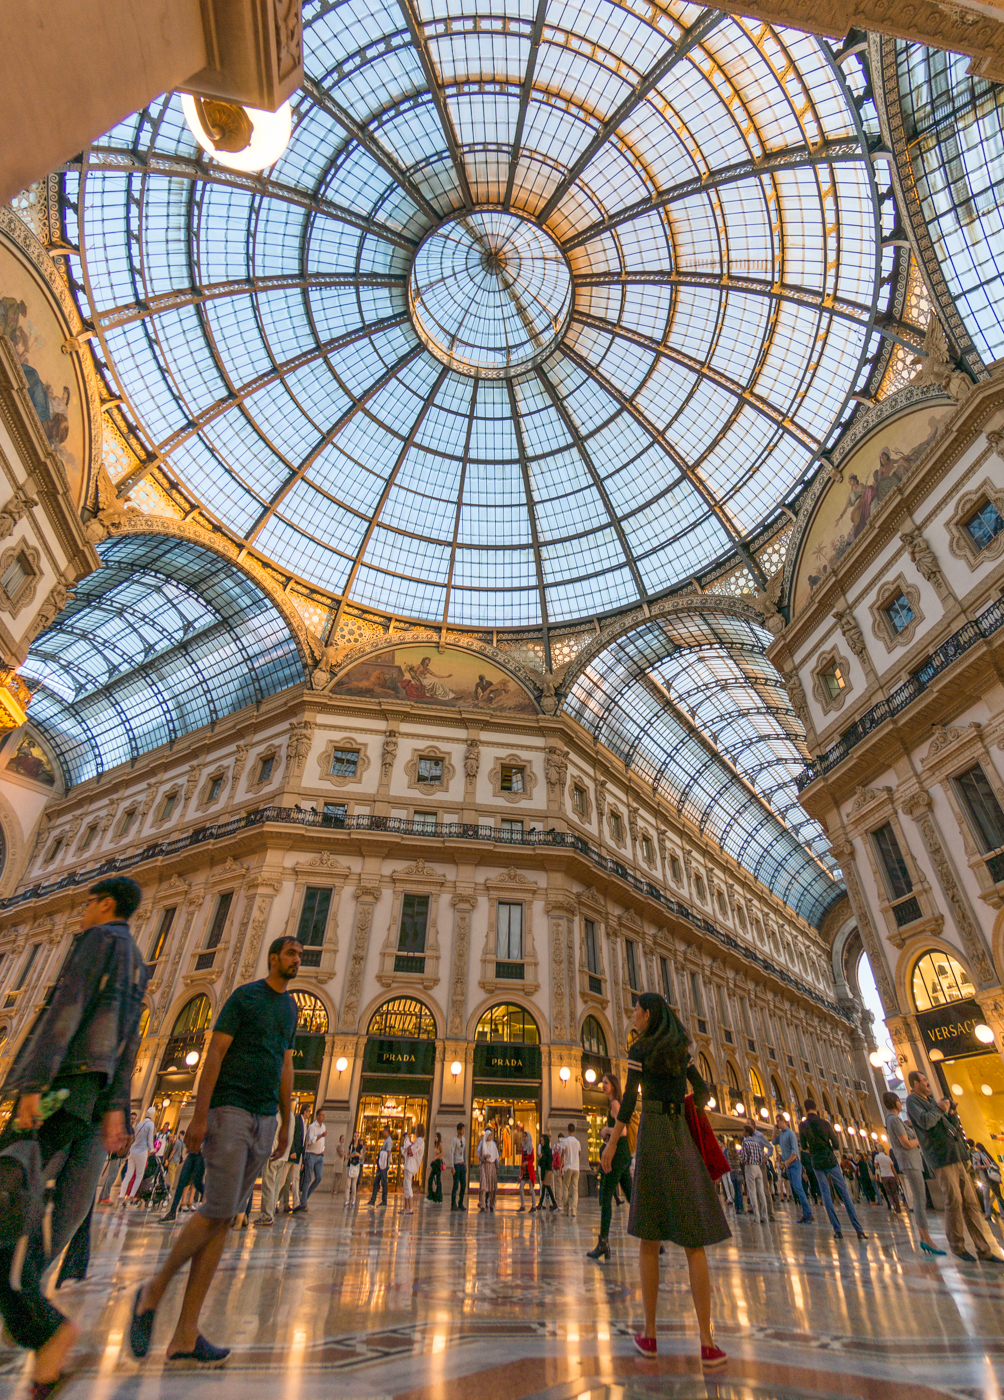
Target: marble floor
x: 374, y: 1304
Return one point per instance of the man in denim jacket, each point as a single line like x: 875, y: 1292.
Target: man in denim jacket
x: 83, y: 1042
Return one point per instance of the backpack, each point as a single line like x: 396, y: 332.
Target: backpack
x: 22, y: 1199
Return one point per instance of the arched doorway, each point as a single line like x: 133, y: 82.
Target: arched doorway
x: 970, y: 1072
x: 735, y: 1089
x: 399, y: 1061
x: 182, y: 1056
x: 758, y: 1108
x: 308, y: 1048
x: 507, y: 1080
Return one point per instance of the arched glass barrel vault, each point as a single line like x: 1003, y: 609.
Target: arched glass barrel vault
x: 692, y: 705
x: 544, y: 309
x: 164, y: 638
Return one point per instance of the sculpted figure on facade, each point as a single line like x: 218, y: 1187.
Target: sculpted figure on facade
x: 16, y: 509
x: 796, y: 695
x: 240, y: 759
x: 388, y: 754
x: 922, y: 556
x: 851, y: 632
x: 298, y: 745
x: 472, y: 760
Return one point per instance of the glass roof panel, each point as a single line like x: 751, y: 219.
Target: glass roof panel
x: 162, y: 639
x: 632, y: 390
x: 692, y: 703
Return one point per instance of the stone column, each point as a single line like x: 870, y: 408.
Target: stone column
x: 367, y: 896
x: 463, y: 902
x: 560, y: 911
x: 844, y: 853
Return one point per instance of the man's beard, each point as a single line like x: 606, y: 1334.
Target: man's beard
x: 288, y: 973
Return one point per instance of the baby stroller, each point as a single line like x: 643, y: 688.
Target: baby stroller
x: 153, y: 1188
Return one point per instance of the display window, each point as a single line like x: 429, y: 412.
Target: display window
x: 400, y: 1113
x: 507, y: 1117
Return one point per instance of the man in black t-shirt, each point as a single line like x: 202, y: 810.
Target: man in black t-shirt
x: 246, y: 1077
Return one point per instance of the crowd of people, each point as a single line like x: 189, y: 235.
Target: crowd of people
x: 70, y: 1086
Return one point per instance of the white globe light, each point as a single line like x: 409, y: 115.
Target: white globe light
x: 877, y: 1058
x: 341, y: 1064
x: 874, y: 1137
x: 983, y: 1034
x: 270, y: 133
x: 986, y: 1089
x: 837, y: 1128
x: 852, y: 1130
x: 786, y: 1117
x: 192, y: 1058
x: 740, y: 1109
x: 564, y: 1074
x: 884, y: 1138
x: 712, y: 1103
x: 455, y: 1068
x: 590, y: 1076
x: 957, y: 1090
x: 764, y: 1114
x: 936, y: 1055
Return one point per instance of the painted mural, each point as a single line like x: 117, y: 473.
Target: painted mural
x: 30, y: 761
x: 426, y: 676
x: 29, y: 320
x: 884, y: 461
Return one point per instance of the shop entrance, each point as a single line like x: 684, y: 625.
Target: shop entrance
x: 401, y: 1113
x: 980, y: 1112
x: 507, y: 1117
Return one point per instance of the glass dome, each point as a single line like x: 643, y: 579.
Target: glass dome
x: 545, y: 309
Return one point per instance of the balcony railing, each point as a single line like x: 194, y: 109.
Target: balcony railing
x: 897, y: 700
x: 452, y: 831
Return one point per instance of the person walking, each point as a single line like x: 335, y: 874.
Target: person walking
x: 619, y: 1174
x: 414, y: 1153
x: 887, y: 1175
x: 751, y: 1154
x: 819, y: 1139
x: 173, y: 1159
x: 434, y: 1190
x: 909, y: 1159
x: 247, y: 1076
x: 84, y: 1041
x: 787, y: 1152
x: 558, y: 1167
x: 865, y: 1179
x: 382, y: 1173
x: 673, y: 1197
x: 289, y: 1179
x: 571, y: 1156
x: 943, y: 1143
x: 545, y: 1171
x: 488, y: 1160
x: 527, y: 1168
x: 767, y: 1148
x: 458, y: 1160
x: 355, y: 1160
x: 339, y: 1164
x: 313, y: 1157
x: 139, y: 1155
x: 736, y: 1173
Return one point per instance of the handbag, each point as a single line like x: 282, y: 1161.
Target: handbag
x: 704, y: 1140
x: 353, y: 1170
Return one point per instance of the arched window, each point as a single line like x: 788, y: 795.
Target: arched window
x: 404, y: 1018
x: 144, y: 1021
x: 312, y: 1018
x: 4, y: 1033
x: 840, y: 1112
x: 594, y: 1042
x: 938, y: 979
x: 775, y: 1090
x: 194, y: 1016
x: 705, y: 1070
x: 756, y: 1084
x: 508, y: 1024
x: 826, y: 1107
x: 733, y: 1078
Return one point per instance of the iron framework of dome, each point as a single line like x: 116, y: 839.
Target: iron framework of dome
x: 544, y: 310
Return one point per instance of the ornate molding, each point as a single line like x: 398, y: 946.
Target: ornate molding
x: 887, y: 594
x: 427, y: 788
x: 512, y: 760
x: 348, y: 743
x: 960, y: 541
x: 831, y: 659
x: 972, y: 938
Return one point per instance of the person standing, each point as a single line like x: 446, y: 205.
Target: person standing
x: 819, y: 1139
x: 751, y: 1154
x: 557, y: 1167
x: 435, y: 1189
x: 673, y: 1197
x: 736, y: 1173
x: 382, y: 1173
x: 909, y: 1159
x: 458, y: 1159
x: 787, y: 1151
x: 139, y: 1155
x: 619, y: 1173
x: 887, y: 1175
x: 289, y: 1180
x: 527, y: 1168
x: 247, y: 1076
x: 545, y: 1170
x: 767, y: 1148
x: 84, y: 1040
x: 173, y: 1160
x: 488, y: 1159
x: 339, y: 1164
x: 571, y: 1156
x: 990, y: 1176
x: 414, y: 1152
x: 943, y: 1143
x: 355, y: 1159
x: 313, y: 1157
x: 273, y: 1173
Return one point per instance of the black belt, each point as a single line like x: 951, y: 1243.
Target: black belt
x: 670, y: 1108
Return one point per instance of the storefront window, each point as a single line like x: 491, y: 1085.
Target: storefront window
x: 404, y: 1018
x: 508, y: 1024
x: 308, y: 1048
x: 594, y: 1042
x: 938, y: 979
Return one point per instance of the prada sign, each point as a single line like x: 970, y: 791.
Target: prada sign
x: 400, y: 1057
x: 949, y: 1029
x: 506, y: 1061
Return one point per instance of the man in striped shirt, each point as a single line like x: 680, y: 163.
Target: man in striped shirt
x: 751, y: 1154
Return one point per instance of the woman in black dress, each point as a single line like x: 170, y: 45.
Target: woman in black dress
x: 619, y: 1173
x: 673, y: 1197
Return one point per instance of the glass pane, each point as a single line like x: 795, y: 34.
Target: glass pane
x: 414, y: 922
x: 985, y: 810
x: 314, y: 916
x: 509, y: 932
x: 888, y: 851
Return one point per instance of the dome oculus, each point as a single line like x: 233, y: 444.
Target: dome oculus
x: 490, y: 293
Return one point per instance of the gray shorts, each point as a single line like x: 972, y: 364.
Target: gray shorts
x: 236, y: 1148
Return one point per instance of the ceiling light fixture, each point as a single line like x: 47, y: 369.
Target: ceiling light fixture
x: 241, y: 138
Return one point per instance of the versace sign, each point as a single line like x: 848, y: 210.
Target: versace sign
x: 949, y: 1029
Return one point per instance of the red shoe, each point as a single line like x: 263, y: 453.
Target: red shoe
x: 713, y: 1358
x: 646, y: 1345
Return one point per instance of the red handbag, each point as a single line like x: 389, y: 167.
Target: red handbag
x: 704, y: 1139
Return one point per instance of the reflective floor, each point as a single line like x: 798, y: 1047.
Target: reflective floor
x: 443, y: 1304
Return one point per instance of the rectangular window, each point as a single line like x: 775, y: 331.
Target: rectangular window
x: 265, y: 769
x: 163, y: 929
x: 127, y: 820
x: 666, y: 973
x: 334, y: 813
x: 696, y: 993
x: 984, y: 810
x: 511, y: 829
x: 345, y: 763
x: 724, y: 1011
x: 430, y: 770
x: 899, y: 613
x: 509, y: 932
x: 414, y: 923
x: 15, y: 576
x: 834, y: 680
x: 592, y: 946
x: 511, y: 779
x: 26, y: 966
x: 89, y: 836
x: 219, y: 919
x: 984, y: 525
x: 424, y: 821
x: 616, y: 826
x: 646, y: 850
x: 579, y: 800
x: 214, y: 789
x: 168, y: 806
x: 55, y: 848
x: 891, y: 859
x: 631, y: 953
x: 313, y: 922
x: 675, y: 870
